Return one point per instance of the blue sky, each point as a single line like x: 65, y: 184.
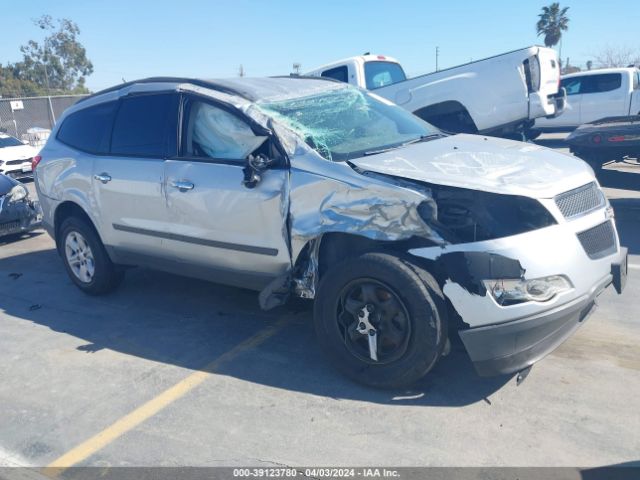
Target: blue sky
x: 133, y: 39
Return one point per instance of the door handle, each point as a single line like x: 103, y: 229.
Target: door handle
x: 103, y: 177
x: 182, y: 185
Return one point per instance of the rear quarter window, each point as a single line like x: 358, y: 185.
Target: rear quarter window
x: 89, y: 129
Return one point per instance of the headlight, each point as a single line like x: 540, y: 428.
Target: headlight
x: 17, y: 193
x: 473, y: 216
x: 512, y: 291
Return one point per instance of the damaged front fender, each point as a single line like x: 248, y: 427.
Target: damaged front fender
x: 328, y: 197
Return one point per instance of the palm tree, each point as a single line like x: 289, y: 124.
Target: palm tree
x: 553, y: 21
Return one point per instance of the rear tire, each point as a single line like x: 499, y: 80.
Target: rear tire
x: 407, y: 312
x: 86, y: 259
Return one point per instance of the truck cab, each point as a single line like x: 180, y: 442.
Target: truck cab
x: 365, y: 71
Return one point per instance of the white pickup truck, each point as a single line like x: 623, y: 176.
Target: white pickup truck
x: 596, y: 94
x: 500, y: 95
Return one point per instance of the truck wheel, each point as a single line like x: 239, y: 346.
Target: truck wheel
x: 380, y: 319
x: 86, y: 259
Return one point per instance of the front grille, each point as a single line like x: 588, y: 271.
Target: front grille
x: 18, y: 162
x: 580, y: 200
x: 9, y: 226
x: 598, y: 241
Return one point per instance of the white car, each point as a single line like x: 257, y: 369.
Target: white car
x: 593, y: 95
x: 15, y: 157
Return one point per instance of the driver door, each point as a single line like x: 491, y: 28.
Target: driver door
x: 217, y: 226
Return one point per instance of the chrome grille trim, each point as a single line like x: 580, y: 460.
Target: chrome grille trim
x: 17, y: 162
x: 580, y: 201
x: 599, y: 241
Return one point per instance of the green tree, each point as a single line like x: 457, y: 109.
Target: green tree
x: 58, y: 64
x: 552, y: 22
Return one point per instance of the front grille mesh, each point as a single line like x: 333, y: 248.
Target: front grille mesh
x: 598, y: 241
x: 580, y: 200
x: 5, y: 227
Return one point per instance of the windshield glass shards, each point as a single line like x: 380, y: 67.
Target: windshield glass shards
x: 348, y: 123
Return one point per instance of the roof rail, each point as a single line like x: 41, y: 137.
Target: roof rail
x: 194, y: 81
x: 307, y: 77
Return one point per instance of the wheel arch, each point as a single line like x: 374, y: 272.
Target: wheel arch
x: 443, y: 115
x: 66, y: 210
x: 335, y: 247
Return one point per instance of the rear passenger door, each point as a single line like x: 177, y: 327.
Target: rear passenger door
x: 603, y: 96
x: 215, y: 224
x: 128, y: 181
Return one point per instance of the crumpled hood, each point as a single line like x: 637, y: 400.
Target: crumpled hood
x: 17, y: 153
x: 483, y: 163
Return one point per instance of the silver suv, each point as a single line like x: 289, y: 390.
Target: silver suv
x: 401, y: 234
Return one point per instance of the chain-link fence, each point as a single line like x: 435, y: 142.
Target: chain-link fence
x: 32, y: 118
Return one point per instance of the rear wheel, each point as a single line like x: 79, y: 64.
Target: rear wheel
x: 380, y: 319
x: 86, y: 259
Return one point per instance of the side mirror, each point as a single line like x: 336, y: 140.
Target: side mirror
x: 254, y: 168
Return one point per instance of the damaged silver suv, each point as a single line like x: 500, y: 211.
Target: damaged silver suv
x: 401, y: 234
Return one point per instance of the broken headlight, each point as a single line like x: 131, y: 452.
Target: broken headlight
x: 512, y: 291
x: 473, y: 216
x: 17, y: 194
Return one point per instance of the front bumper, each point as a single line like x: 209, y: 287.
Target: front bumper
x: 513, y: 346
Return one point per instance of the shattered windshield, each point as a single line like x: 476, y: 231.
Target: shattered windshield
x: 348, y: 123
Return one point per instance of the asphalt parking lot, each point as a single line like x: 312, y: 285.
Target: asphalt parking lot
x: 169, y: 371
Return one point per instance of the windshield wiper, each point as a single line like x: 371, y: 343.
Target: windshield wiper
x: 421, y: 138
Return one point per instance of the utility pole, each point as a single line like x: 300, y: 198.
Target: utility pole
x: 437, y: 55
x: 241, y: 71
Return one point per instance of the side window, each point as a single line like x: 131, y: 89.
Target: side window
x: 338, y: 73
x: 211, y: 132
x: 602, y: 83
x: 143, y: 125
x: 572, y: 85
x: 636, y: 81
x: 89, y: 129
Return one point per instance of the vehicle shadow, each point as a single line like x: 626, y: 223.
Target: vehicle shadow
x: 551, y: 142
x: 188, y: 323
x: 627, y: 214
x: 16, y: 237
x: 622, y: 180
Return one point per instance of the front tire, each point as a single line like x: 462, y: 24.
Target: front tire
x: 86, y: 259
x: 393, y: 298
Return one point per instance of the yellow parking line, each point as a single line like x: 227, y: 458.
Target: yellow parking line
x: 153, y: 406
